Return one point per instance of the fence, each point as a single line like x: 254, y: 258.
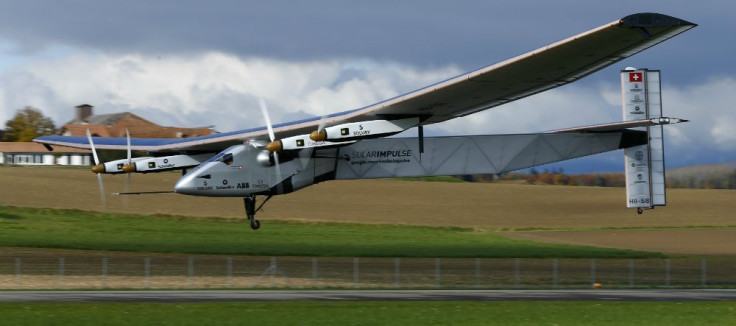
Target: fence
x: 165, y: 272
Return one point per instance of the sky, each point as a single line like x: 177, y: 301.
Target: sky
x: 206, y: 63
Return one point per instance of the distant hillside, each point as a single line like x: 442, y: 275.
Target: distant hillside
x: 708, y: 176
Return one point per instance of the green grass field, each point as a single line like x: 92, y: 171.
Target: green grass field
x: 72, y: 229
x: 371, y: 313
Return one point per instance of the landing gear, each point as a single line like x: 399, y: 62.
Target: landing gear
x: 639, y: 211
x: 250, y: 210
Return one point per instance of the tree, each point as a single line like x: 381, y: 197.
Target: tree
x: 28, y: 124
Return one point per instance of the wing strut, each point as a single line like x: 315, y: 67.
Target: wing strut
x: 420, y: 131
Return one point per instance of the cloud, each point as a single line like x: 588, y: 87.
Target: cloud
x: 710, y: 136
x: 426, y: 32
x: 710, y: 107
x: 208, y: 89
x: 222, y: 90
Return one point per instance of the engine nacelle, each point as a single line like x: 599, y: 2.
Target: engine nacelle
x: 116, y: 166
x: 363, y: 130
x: 296, y: 143
x: 165, y: 163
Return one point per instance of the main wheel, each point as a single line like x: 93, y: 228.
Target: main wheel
x: 255, y: 224
x: 639, y: 210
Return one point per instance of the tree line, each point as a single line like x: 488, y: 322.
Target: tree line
x: 693, y: 178
x: 553, y: 177
x: 27, y: 124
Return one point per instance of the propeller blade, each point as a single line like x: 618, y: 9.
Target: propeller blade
x: 126, y: 189
x: 278, y: 168
x: 92, y: 146
x: 305, y: 155
x: 102, y: 189
x: 322, y: 123
x: 272, y: 137
x: 127, y: 137
x: 100, y: 185
x: 264, y: 110
x: 127, y: 175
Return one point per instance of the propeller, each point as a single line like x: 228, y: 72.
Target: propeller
x: 127, y: 138
x: 272, y: 137
x: 320, y: 134
x: 127, y: 175
x: 322, y: 123
x: 98, y: 168
x: 305, y: 155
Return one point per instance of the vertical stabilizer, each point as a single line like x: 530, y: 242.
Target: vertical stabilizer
x: 642, y: 99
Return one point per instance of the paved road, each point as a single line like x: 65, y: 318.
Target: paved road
x: 357, y: 295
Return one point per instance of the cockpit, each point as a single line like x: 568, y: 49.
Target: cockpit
x: 226, y: 158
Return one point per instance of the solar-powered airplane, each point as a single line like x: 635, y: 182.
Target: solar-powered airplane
x: 283, y: 158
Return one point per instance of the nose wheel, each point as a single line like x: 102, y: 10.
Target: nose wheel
x: 250, y: 210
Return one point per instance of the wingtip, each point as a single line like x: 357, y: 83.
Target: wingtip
x: 651, y: 19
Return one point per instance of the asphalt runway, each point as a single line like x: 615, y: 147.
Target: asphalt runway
x: 369, y: 295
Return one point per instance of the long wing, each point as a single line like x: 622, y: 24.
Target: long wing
x: 548, y: 67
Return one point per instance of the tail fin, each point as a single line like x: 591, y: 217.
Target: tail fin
x: 645, y: 175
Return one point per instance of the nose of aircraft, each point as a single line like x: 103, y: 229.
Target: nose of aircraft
x: 186, y: 185
x: 197, y: 181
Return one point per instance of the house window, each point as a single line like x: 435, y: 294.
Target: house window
x: 23, y: 159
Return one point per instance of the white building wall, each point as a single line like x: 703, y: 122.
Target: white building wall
x: 75, y: 159
x: 48, y: 159
x: 82, y: 159
x: 63, y: 160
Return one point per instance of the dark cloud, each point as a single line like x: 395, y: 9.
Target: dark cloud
x: 420, y: 35
x: 425, y: 33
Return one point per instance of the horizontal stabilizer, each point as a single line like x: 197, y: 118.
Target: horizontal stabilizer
x: 618, y: 126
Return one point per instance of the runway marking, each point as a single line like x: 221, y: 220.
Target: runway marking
x: 368, y: 295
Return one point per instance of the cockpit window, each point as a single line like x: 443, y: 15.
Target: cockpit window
x: 227, y: 159
x: 226, y: 156
x: 214, y: 158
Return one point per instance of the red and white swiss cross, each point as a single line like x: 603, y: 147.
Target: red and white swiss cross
x: 635, y: 77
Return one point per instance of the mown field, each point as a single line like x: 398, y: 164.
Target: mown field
x: 371, y: 313
x: 74, y: 229
x: 695, y: 222
x: 489, y: 206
